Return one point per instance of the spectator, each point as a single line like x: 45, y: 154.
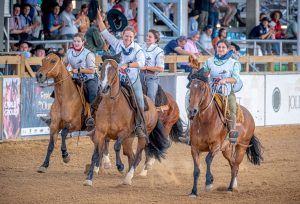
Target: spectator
x: 110, y: 4
x: 15, y: 26
x: 94, y: 40
x: 262, y: 15
x: 193, y: 23
x: 84, y: 19
x: 191, y: 47
x: 26, y: 22
x: 70, y: 23
x: 38, y: 51
x: 205, y: 39
x: 235, y: 48
x: 229, y: 11
x: 132, y: 14
x: 37, y: 25
x: 54, y: 23
x: 213, y: 14
x: 292, y: 29
x: 275, y: 17
x: 177, y: 46
x: 221, y: 35
x: 203, y: 7
x: 24, y: 48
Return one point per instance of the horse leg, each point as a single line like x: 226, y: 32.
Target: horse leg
x: 95, y: 158
x: 209, y: 177
x: 117, y: 148
x: 106, y: 160
x: 238, y: 158
x: 196, y: 174
x: 65, y: 154
x: 148, y: 165
x: 45, y: 165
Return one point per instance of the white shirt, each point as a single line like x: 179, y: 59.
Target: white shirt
x: 154, y: 55
x: 135, y: 55
x: 206, y: 41
x: 69, y: 21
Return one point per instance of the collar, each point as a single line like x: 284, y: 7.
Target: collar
x: 151, y: 47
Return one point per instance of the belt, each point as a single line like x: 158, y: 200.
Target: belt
x: 148, y: 71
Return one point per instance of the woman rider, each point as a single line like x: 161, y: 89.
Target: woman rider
x: 133, y: 59
x: 154, y: 63
x: 225, y: 71
x: 82, y: 64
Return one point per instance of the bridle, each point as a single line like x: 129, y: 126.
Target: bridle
x: 113, y: 79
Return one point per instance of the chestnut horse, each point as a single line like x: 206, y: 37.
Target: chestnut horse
x: 115, y: 120
x: 208, y: 133
x: 66, y: 109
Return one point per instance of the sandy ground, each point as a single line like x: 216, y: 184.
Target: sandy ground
x: 277, y: 180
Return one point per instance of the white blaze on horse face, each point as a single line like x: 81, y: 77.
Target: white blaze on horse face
x: 104, y: 82
x: 195, y: 85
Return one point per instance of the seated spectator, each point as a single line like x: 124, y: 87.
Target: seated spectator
x: 261, y: 31
x: 235, y: 48
x: 84, y: 19
x: 205, y: 40
x: 54, y: 24
x: 191, y: 47
x: 292, y: 29
x: 26, y: 22
x: 15, y: 26
x: 262, y: 15
x: 222, y: 34
x: 275, y: 17
x: 38, y: 51
x: 37, y: 25
x: 70, y: 24
x: 193, y: 23
x: 177, y: 46
x: 229, y: 11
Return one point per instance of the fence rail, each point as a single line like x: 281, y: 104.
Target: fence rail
x: 22, y: 67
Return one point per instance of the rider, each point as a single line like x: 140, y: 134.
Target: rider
x: 154, y: 63
x: 133, y: 59
x: 82, y: 64
x: 225, y: 71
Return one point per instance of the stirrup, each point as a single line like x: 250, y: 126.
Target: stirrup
x: 233, y: 136
x: 185, y: 140
x: 90, y: 122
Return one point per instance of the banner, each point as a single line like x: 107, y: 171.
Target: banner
x: 1, y: 105
x: 36, y: 102
x: 283, y: 99
x: 11, y: 108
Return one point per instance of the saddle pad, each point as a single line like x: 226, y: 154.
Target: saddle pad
x: 220, y: 100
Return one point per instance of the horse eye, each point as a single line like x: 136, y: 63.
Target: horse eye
x: 52, y: 61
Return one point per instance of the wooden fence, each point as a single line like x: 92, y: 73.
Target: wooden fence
x: 22, y: 67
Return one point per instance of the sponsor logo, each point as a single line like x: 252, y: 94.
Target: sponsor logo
x: 294, y: 102
x: 276, y: 99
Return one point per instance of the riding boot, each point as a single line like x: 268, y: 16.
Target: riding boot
x: 90, y: 122
x: 139, y: 124
x: 233, y: 133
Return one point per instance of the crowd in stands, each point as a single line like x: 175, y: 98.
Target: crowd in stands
x: 55, y: 20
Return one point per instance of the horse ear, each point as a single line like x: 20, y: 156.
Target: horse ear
x: 118, y: 57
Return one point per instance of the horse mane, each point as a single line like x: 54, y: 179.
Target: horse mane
x: 199, y: 75
x: 60, y: 55
x: 116, y: 57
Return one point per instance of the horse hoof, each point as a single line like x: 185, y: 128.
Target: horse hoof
x: 121, y: 168
x: 229, y: 190
x: 144, y: 173
x: 127, y: 182
x: 107, y: 165
x: 96, y: 170
x: 42, y: 169
x: 88, y: 183
x: 208, y: 187
x: 66, y: 159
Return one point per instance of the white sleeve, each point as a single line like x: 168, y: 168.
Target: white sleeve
x: 112, y: 40
x: 90, y: 61
x: 140, y: 58
x: 159, y: 60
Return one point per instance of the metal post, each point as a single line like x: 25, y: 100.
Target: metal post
x: 182, y: 15
x: 141, y: 20
x: 280, y: 54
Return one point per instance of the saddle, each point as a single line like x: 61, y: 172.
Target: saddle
x: 128, y: 93
x: 221, y: 103
x: 160, y: 98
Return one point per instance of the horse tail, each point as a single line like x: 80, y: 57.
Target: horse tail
x: 254, y: 152
x: 177, y: 131
x: 158, y: 142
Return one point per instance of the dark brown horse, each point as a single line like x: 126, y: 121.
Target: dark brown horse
x: 115, y: 120
x: 208, y: 134
x: 66, y: 109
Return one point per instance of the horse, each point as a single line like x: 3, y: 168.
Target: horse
x: 66, y: 110
x: 208, y: 133
x: 115, y: 120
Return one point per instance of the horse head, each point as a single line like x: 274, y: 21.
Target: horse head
x: 49, y: 68
x: 199, y: 92
x: 108, y: 76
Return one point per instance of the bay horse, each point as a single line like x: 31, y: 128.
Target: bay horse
x: 208, y: 132
x: 115, y: 120
x: 66, y: 110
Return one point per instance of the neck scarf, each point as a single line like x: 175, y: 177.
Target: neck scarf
x: 224, y: 57
x: 127, y: 52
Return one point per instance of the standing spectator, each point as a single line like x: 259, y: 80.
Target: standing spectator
x: 193, y: 23
x: 191, y: 47
x: 70, y: 23
x: 213, y: 14
x: 292, y: 29
x: 229, y: 11
x: 205, y: 39
x: 26, y: 22
x: 15, y: 26
x: 203, y: 7
x: 221, y: 35
x: 84, y: 19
